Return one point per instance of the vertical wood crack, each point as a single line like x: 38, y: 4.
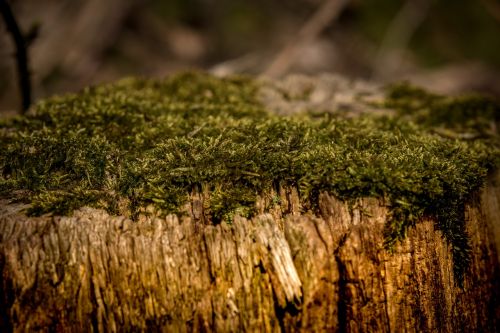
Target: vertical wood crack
x: 342, y: 302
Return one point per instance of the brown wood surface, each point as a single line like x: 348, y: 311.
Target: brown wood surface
x: 281, y: 271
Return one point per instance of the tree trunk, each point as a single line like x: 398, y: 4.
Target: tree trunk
x: 281, y: 271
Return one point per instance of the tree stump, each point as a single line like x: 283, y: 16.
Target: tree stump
x: 284, y: 269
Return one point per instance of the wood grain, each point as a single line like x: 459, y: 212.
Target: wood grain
x: 281, y: 271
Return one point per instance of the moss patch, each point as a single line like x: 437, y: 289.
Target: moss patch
x: 466, y: 117
x: 149, y: 143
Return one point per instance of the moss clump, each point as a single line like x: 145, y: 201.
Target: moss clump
x: 466, y: 117
x: 151, y: 143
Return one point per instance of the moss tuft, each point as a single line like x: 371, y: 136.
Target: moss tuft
x: 469, y: 116
x: 152, y: 142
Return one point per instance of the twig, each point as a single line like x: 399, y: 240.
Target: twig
x: 21, y: 54
x: 492, y: 7
x: 399, y: 33
x: 324, y: 15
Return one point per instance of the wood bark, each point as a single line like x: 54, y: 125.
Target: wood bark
x: 282, y: 271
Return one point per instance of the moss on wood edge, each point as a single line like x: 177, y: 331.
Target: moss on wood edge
x: 140, y: 145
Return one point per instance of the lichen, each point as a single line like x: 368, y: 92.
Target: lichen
x: 150, y: 143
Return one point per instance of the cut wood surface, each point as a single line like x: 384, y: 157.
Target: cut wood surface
x: 280, y: 271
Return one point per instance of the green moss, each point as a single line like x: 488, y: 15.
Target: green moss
x: 149, y: 143
x: 467, y: 116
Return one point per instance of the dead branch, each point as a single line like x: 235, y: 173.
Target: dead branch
x: 492, y: 7
x: 324, y: 15
x: 21, y: 54
x: 399, y: 34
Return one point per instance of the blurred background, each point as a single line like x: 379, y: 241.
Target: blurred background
x: 451, y: 46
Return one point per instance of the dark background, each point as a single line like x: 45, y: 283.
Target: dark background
x: 450, y: 46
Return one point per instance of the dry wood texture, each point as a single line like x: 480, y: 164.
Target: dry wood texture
x: 281, y: 271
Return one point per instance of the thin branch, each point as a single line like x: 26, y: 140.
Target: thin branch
x: 324, y: 15
x: 21, y: 54
x: 399, y: 33
x: 492, y: 7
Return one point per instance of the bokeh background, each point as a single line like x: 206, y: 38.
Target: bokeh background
x: 451, y: 46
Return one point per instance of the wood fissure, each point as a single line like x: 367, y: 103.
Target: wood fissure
x: 342, y: 303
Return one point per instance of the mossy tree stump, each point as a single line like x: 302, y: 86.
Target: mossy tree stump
x: 202, y: 204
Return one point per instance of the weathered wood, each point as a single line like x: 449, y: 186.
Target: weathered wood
x: 281, y: 271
